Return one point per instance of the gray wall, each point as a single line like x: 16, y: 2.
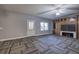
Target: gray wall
x: 15, y: 25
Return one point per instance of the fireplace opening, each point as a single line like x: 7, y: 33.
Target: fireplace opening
x: 67, y: 34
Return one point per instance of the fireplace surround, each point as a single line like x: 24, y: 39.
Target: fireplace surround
x: 68, y: 34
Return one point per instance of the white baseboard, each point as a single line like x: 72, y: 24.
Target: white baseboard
x: 21, y: 37
x: 13, y: 38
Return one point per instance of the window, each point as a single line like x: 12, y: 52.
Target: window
x: 31, y: 25
x: 44, y: 26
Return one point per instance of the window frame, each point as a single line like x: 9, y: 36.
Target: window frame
x: 31, y: 25
x: 43, y: 26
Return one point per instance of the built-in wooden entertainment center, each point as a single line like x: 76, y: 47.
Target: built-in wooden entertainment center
x: 66, y: 27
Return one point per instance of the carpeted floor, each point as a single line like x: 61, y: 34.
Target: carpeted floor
x: 48, y: 44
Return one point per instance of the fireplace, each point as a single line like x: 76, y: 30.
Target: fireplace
x: 68, y: 34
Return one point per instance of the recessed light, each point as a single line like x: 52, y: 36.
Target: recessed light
x: 57, y: 14
x: 72, y: 19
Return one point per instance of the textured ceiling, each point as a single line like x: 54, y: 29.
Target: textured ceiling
x: 43, y: 10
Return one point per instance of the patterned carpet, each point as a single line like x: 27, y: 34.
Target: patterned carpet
x: 48, y: 44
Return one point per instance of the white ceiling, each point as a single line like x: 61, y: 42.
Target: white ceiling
x: 43, y: 10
